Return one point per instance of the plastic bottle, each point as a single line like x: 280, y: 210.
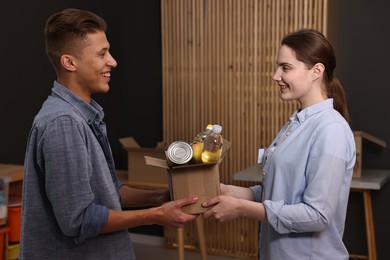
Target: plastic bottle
x: 203, y: 134
x: 197, y: 143
x: 212, y: 145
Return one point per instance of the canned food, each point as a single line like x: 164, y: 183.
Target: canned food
x: 179, y: 152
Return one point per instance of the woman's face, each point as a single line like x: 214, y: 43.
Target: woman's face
x: 295, y: 80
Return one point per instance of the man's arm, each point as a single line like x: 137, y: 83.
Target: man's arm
x: 138, y: 197
x: 169, y: 213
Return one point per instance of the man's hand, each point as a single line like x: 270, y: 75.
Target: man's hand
x: 171, y: 213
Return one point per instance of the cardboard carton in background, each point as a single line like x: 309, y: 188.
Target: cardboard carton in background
x: 140, y: 174
x: 201, y: 180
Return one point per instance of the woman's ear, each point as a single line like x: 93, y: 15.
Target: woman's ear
x: 68, y: 62
x: 318, y: 70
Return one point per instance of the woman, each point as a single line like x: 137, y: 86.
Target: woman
x: 308, y: 167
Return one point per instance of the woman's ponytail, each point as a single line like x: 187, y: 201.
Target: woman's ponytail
x: 336, y: 91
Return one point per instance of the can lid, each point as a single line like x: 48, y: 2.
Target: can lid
x: 180, y: 152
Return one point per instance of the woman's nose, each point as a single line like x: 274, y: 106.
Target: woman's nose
x: 276, y: 76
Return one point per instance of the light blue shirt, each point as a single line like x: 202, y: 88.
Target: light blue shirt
x: 307, y: 175
x: 70, y: 184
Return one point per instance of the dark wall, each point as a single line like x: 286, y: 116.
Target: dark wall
x: 360, y: 33
x: 133, y: 105
x: 358, y: 30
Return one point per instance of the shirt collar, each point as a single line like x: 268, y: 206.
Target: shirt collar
x: 304, y: 114
x: 89, y: 111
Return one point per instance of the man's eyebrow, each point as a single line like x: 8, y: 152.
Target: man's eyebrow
x: 103, y: 50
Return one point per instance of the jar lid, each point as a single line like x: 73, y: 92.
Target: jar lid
x: 179, y: 152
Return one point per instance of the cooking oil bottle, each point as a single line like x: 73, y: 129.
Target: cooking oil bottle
x: 212, y: 145
x: 203, y: 134
x: 197, y: 143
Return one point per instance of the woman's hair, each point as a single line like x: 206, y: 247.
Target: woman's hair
x: 312, y: 47
x: 65, y: 32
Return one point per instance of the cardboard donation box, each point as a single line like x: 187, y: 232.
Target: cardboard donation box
x: 200, y: 180
x: 139, y: 173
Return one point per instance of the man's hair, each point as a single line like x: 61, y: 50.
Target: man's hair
x: 65, y: 33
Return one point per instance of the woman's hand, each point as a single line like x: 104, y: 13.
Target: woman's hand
x: 239, y: 203
x: 223, y: 208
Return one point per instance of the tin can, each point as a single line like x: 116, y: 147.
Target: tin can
x: 179, y: 152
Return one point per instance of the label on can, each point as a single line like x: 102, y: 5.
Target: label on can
x: 179, y: 152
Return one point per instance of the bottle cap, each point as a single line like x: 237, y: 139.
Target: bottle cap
x: 217, y: 129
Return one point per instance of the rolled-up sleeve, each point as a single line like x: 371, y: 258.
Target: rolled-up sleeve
x: 94, y: 219
x: 256, y: 190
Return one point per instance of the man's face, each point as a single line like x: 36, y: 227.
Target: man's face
x: 93, y: 67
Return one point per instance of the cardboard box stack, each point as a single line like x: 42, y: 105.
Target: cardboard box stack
x: 138, y: 173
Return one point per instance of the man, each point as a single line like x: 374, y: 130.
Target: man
x: 72, y: 199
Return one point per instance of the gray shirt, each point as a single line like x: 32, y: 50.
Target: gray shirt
x: 69, y: 184
x: 307, y: 175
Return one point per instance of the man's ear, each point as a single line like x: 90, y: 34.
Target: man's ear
x: 318, y: 70
x: 68, y: 62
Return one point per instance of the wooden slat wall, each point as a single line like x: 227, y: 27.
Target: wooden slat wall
x: 218, y: 61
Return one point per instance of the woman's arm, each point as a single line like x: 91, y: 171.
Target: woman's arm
x: 237, y: 192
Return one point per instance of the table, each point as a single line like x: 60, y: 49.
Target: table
x: 370, y: 179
